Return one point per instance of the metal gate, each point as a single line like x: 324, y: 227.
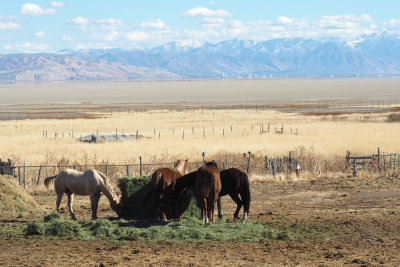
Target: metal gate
x: 394, y: 161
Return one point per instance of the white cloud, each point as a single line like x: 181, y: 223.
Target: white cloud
x: 111, y: 36
x: 79, y: 21
x: 284, y: 20
x: 9, y: 26
x: 153, y: 23
x: 136, y: 36
x: 35, y: 10
x: 111, y: 22
x: 343, y: 21
x: 205, y: 12
x: 28, y: 47
x: 80, y: 46
x: 40, y: 34
x: 56, y: 4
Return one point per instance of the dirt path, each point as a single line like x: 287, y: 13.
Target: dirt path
x: 343, y: 221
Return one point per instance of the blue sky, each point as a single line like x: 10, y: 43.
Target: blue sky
x: 49, y: 26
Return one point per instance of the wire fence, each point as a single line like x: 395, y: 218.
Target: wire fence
x: 332, y: 106
x: 32, y: 177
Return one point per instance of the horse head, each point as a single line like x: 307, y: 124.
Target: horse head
x: 211, y: 163
x: 117, y: 207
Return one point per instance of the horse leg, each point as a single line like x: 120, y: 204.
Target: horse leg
x: 94, y: 201
x: 238, y: 203
x: 162, y: 213
x: 205, y: 208
x: 246, y: 204
x: 213, y: 211
x: 58, y: 202
x: 219, y: 207
x: 70, y: 203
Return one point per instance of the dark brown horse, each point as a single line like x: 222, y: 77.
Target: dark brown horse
x: 178, y: 198
x: 161, y: 179
x: 206, y: 190
x: 235, y: 182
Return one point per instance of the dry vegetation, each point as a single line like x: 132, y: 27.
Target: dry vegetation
x: 326, y: 136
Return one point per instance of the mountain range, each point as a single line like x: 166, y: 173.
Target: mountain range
x: 376, y: 54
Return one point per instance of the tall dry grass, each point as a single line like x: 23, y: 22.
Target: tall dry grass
x: 327, y: 137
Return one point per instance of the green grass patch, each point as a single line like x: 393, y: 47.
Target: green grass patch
x: 188, y: 229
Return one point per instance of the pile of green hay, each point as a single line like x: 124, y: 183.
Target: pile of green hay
x: 134, y: 190
x: 189, y: 229
x: 14, y: 201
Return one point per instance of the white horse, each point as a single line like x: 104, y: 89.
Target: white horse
x: 91, y: 182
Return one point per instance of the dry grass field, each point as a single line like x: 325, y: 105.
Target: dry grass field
x: 187, y: 134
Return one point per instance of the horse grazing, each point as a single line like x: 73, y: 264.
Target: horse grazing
x: 91, y: 182
x: 160, y: 180
x: 206, y: 190
x: 178, y: 198
x: 235, y: 182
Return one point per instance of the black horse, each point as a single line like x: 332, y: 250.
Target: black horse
x: 235, y: 183
x: 178, y: 197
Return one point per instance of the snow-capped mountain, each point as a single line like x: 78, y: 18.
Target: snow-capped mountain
x: 377, y: 54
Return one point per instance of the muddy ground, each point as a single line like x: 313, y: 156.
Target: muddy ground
x: 339, y: 221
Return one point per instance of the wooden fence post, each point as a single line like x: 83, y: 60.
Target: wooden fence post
x: 38, y: 180
x: 274, y: 168
x: 107, y: 168
x: 140, y: 166
x: 19, y: 176
x: 266, y: 162
x: 127, y: 170
x: 248, y: 164
x: 354, y: 168
x: 379, y: 159
x: 24, y: 173
x: 116, y: 134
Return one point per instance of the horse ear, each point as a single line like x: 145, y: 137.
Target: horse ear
x: 186, y: 160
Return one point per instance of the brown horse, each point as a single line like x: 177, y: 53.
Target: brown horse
x: 160, y: 180
x: 235, y: 182
x: 90, y: 182
x: 206, y: 190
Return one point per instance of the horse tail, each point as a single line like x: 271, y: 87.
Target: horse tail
x: 48, y: 180
x: 155, y: 180
x: 246, y: 197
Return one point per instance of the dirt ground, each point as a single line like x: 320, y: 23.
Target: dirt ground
x: 343, y: 221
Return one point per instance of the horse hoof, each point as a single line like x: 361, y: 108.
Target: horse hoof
x: 235, y: 219
x: 220, y: 216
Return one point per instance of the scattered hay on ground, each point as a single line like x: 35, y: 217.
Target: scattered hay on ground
x: 188, y: 229
x: 14, y: 201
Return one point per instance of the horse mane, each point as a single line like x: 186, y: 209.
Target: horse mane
x: 183, y: 163
x: 107, y: 184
